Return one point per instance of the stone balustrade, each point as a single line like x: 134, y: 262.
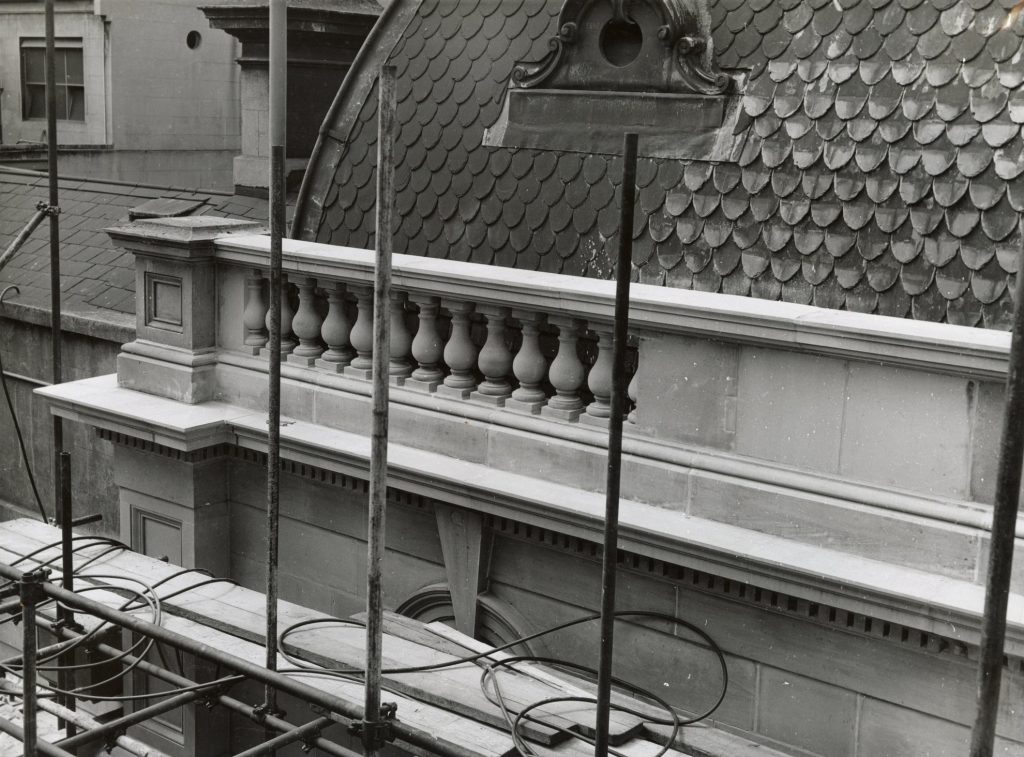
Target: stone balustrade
x: 555, y: 364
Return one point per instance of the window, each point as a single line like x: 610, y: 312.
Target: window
x: 67, y: 76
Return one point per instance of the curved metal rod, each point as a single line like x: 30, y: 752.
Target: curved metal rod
x: 6, y: 289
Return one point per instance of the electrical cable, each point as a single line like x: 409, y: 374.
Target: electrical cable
x: 17, y: 426
x: 154, y: 606
x: 515, y: 720
x: 489, y: 681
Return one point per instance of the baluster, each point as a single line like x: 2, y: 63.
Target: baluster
x: 399, y: 363
x: 600, y: 380
x: 567, y: 372
x: 335, y: 332
x: 362, y: 334
x: 459, y: 353
x: 631, y: 390
x: 427, y: 347
x: 495, y: 359
x: 255, y: 314
x: 529, y: 366
x: 306, y: 325
x: 287, y: 314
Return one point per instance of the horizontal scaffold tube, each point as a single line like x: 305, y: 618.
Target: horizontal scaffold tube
x: 43, y: 747
x: 298, y: 733
x: 132, y: 718
x: 228, y: 702
x: 82, y: 720
x: 330, y: 702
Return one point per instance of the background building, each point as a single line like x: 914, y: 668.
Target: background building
x: 147, y: 92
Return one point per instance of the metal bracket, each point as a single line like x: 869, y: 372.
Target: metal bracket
x: 308, y: 743
x: 30, y: 590
x: 376, y: 733
x: 261, y: 712
x: 50, y: 210
x: 110, y: 742
x: 209, y: 698
x: 61, y: 623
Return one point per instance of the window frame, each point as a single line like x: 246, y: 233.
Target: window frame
x: 69, y: 90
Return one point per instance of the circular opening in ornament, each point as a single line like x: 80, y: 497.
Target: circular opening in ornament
x: 621, y: 42
x: 193, y: 39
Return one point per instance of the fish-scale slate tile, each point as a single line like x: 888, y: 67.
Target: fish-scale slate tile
x: 879, y: 168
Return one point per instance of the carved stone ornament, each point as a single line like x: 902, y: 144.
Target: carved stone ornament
x: 609, y: 44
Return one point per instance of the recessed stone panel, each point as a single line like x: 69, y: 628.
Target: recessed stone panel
x: 163, y: 302
x: 790, y: 408
x: 807, y: 713
x: 687, y: 390
x: 907, y: 429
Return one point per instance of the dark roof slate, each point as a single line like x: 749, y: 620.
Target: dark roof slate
x: 95, y: 275
x: 880, y: 170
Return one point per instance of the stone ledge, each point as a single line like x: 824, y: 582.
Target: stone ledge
x: 108, y: 325
x: 100, y: 402
x: 917, y: 599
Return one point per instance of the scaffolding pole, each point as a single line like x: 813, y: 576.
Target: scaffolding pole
x: 24, y: 234
x: 1000, y: 562
x: 278, y: 119
x: 430, y: 742
x: 611, y: 517
x: 29, y: 590
x: 375, y: 731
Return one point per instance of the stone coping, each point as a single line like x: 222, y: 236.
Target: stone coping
x: 935, y: 347
x: 96, y: 323
x: 914, y: 598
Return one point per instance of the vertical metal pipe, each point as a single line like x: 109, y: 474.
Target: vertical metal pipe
x: 278, y: 119
x: 1000, y: 561
x: 29, y: 590
x: 611, y: 516
x: 64, y: 517
x: 65, y: 520
x: 55, y: 326
x: 379, y: 438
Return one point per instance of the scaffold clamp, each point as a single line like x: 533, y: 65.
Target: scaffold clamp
x: 62, y: 623
x: 30, y: 589
x: 376, y: 733
x: 261, y: 712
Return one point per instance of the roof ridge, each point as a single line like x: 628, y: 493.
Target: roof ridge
x: 138, y: 185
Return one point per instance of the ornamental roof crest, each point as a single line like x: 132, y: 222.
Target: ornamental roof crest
x: 628, y: 45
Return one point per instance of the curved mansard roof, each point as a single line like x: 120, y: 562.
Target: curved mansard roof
x: 879, y: 170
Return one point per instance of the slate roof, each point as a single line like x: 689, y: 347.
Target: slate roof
x: 880, y: 170
x: 95, y: 275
